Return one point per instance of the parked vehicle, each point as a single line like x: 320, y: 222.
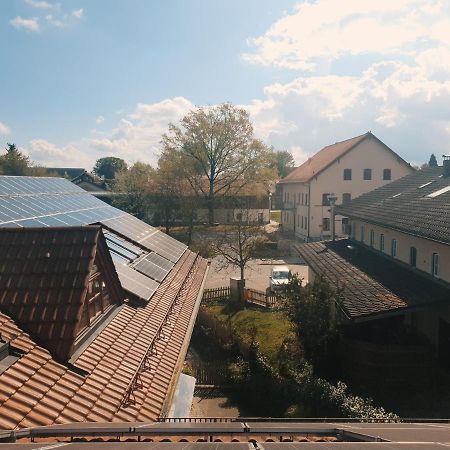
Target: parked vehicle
x: 280, y: 277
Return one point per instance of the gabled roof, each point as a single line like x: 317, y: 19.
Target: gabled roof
x: 327, y: 156
x: 44, y: 274
x: 405, y: 205
x: 372, y: 284
x: 90, y: 182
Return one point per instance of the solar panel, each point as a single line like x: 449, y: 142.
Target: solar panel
x: 134, y: 282
x: 121, y: 247
x: 130, y: 227
x: 54, y: 202
x: 154, y: 266
x: 165, y: 246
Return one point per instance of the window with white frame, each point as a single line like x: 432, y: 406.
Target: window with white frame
x: 394, y: 248
x: 435, y: 265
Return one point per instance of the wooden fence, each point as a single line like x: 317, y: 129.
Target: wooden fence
x: 260, y: 298
x: 254, y: 296
x: 220, y: 293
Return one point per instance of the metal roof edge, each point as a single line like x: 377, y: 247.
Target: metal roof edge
x: 184, y: 348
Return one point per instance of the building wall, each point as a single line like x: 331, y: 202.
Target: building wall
x: 425, y: 247
x: 369, y: 154
x: 294, y: 216
x: 225, y: 216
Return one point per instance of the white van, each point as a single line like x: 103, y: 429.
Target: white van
x: 280, y: 277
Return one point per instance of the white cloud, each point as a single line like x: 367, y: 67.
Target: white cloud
x: 4, y: 130
x: 47, y: 154
x: 40, y: 4
x: 27, y: 24
x: 99, y: 120
x: 406, y: 104
x: 78, y: 13
x: 138, y: 135
x: 52, y: 20
x: 330, y: 29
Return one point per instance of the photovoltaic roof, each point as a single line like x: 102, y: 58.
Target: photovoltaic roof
x: 143, y: 255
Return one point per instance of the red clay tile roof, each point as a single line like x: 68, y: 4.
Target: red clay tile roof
x: 327, y: 156
x: 372, y: 285
x: 37, y: 390
x: 44, y: 275
x: 322, y: 159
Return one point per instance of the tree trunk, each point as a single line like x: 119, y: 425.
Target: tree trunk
x: 211, y: 202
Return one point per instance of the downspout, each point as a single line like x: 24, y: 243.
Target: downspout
x: 309, y: 209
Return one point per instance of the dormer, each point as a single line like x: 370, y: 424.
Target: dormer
x: 57, y: 283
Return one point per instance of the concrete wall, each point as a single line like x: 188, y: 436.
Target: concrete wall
x: 369, y: 154
x: 226, y: 216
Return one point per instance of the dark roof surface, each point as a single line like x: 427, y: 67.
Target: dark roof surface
x: 372, y: 284
x: 404, y: 205
x: 43, y: 280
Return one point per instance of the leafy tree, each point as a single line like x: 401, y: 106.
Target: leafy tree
x: 133, y: 190
x: 283, y: 161
x: 216, y: 152
x: 14, y: 162
x: 109, y: 167
x: 310, y: 308
x: 433, y: 161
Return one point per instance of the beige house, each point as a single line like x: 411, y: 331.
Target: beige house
x: 347, y: 169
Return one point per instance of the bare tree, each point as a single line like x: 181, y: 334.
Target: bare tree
x: 238, y: 244
x: 217, y: 153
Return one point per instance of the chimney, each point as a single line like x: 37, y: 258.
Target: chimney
x: 446, y: 166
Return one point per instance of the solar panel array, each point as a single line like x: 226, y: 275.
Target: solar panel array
x: 143, y: 255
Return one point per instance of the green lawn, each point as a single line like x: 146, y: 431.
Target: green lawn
x: 271, y: 327
x: 275, y: 216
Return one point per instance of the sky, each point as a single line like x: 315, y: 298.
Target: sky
x: 84, y: 79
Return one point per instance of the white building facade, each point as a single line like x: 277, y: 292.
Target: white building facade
x: 348, y: 169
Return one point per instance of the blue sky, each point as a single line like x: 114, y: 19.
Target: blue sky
x: 85, y: 79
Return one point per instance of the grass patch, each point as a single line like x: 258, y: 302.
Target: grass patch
x: 275, y: 216
x: 270, y: 328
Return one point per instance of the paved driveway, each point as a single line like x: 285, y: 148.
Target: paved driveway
x: 257, y: 274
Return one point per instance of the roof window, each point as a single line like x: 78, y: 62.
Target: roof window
x: 426, y: 184
x: 439, y: 192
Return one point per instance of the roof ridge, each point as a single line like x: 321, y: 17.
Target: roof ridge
x: 347, y: 145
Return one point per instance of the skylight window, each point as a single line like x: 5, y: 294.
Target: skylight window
x: 439, y: 192
x: 426, y: 184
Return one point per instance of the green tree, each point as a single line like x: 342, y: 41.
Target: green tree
x: 109, y: 167
x: 311, y: 308
x: 14, y: 162
x: 216, y: 152
x: 133, y: 189
x: 433, y: 161
x: 283, y: 161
